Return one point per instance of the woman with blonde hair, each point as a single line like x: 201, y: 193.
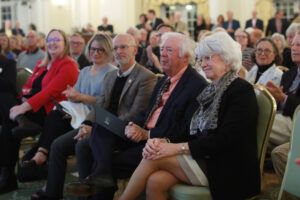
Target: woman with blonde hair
x: 24, y: 116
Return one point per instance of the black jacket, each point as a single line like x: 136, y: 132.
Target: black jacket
x: 259, y: 24
x: 230, y: 151
x: 8, y: 75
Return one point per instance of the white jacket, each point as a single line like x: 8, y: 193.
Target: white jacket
x: 273, y: 74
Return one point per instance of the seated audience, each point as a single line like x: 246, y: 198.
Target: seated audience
x: 173, y: 94
x: 243, y: 38
x: 14, y: 45
x: 106, y: 27
x: 212, y: 152
x: 77, y: 45
x: 7, y: 28
x: 290, y: 34
x: 32, y: 27
x: 255, y: 36
x: 288, y: 99
x: 136, y: 34
x: 265, y: 57
x: 23, y: 117
x: 280, y: 42
x: 81, y: 98
x: 33, y: 54
x: 125, y: 92
x: 42, y: 43
x: 88, y: 30
x: 144, y: 40
x: 5, y: 46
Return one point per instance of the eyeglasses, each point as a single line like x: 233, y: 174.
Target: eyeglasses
x: 99, y: 50
x: 206, y: 59
x: 76, y: 43
x: 53, y: 40
x: 295, y: 44
x: 122, y: 47
x: 266, y: 51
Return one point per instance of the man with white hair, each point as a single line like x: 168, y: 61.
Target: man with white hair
x: 105, y: 27
x: 77, y: 45
x: 33, y: 54
x: 165, y: 117
x: 136, y: 34
x: 125, y: 93
x: 231, y: 25
x: 255, y: 22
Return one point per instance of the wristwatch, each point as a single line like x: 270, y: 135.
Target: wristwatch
x: 182, y: 148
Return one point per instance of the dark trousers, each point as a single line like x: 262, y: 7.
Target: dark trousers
x: 111, y: 154
x: 54, y: 127
x: 9, y: 146
x: 61, y: 148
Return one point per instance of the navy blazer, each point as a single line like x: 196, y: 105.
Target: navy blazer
x: 230, y: 150
x: 173, y: 121
x: 292, y: 100
x: 8, y: 73
x: 158, y: 21
x: 235, y: 25
x: 259, y: 24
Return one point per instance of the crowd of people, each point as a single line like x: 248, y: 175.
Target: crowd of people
x: 194, y: 122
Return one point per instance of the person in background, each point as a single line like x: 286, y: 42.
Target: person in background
x: 231, y: 25
x: 208, y: 24
x: 25, y: 117
x: 14, y: 45
x: 143, y: 40
x: 220, y: 21
x: 143, y: 21
x: 277, y: 24
x: 105, y: 27
x: 88, y: 30
x: 136, y: 34
x: 42, y: 43
x: 179, y: 26
x: 33, y: 54
x: 280, y: 42
x: 290, y: 34
x: 255, y: 36
x: 7, y: 28
x: 266, y: 56
x: 212, y: 151
x: 17, y: 30
x: 255, y: 22
x: 32, y: 27
x: 5, y: 46
x: 243, y: 38
x: 198, y: 26
x: 77, y: 45
x: 154, y: 21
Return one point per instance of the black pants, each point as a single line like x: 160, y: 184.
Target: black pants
x: 111, y: 154
x: 54, y: 126
x: 9, y: 146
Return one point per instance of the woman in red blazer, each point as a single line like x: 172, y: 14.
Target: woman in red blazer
x: 50, y: 77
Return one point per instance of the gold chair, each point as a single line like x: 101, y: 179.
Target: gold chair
x: 283, y: 68
x: 267, y: 110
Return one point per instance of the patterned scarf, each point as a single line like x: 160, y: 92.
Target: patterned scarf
x: 206, y: 116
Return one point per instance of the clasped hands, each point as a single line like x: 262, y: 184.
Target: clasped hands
x: 135, y: 132
x: 157, y: 148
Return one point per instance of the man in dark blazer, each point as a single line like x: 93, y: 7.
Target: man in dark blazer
x: 164, y: 118
x: 125, y: 93
x: 106, y: 27
x: 254, y: 22
x: 231, y: 24
x: 277, y: 24
x: 289, y: 99
x: 155, y: 21
x: 77, y: 45
x: 17, y: 30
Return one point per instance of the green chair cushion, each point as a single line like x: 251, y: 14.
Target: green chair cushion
x: 187, y: 192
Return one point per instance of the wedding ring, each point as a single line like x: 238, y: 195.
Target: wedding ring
x: 158, y: 153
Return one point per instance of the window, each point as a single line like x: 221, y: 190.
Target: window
x: 286, y: 6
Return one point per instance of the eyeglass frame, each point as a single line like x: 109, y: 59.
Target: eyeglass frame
x: 123, y: 47
x: 265, y: 51
x: 55, y: 40
x: 98, y: 50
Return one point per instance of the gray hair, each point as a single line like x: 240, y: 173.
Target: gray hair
x: 136, y: 32
x: 293, y: 28
x: 130, y: 38
x: 280, y: 36
x: 222, y: 44
x: 185, y: 44
x: 78, y: 35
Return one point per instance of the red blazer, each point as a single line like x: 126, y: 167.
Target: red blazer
x: 63, y: 72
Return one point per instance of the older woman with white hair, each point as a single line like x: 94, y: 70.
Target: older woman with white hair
x: 221, y: 148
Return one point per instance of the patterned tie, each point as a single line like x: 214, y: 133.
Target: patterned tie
x: 164, y: 88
